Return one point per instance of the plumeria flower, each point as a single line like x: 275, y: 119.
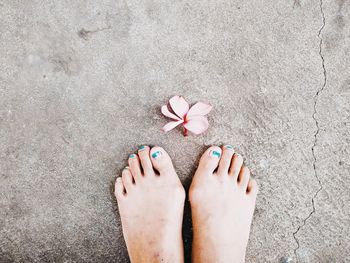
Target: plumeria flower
x: 192, y: 119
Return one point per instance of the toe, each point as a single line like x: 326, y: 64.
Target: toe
x: 145, y: 159
x: 225, y: 161
x: 119, y: 190
x: 236, y: 165
x: 135, y: 167
x: 127, y: 180
x: 243, y: 177
x: 209, y: 160
x: 161, y: 161
x: 253, y: 187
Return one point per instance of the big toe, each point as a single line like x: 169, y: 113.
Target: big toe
x: 161, y: 161
x: 209, y: 160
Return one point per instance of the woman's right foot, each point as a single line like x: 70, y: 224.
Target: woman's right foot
x: 222, y: 197
x: 150, y: 200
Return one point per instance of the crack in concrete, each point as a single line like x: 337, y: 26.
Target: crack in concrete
x: 319, y: 91
x: 85, y: 34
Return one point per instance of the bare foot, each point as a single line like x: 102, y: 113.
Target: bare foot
x: 151, y: 200
x: 222, y: 197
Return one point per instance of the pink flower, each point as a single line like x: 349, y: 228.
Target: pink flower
x: 192, y: 119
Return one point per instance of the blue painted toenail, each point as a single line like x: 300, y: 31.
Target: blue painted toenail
x: 142, y: 147
x: 132, y: 155
x: 156, y: 154
x: 216, y: 154
x: 229, y: 147
x: 286, y: 260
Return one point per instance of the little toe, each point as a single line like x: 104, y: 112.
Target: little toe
x: 243, y: 177
x: 119, y: 190
x: 135, y: 166
x: 252, y: 188
x: 225, y: 161
x: 236, y: 165
x: 209, y: 160
x: 162, y: 161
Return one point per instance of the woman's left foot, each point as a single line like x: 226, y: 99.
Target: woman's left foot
x: 151, y: 201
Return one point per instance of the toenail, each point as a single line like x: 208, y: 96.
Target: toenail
x: 126, y: 167
x: 156, y: 154
x: 229, y: 147
x: 132, y: 155
x: 142, y: 147
x: 215, y: 154
x: 286, y: 260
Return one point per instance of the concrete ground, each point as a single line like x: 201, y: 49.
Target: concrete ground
x: 81, y: 85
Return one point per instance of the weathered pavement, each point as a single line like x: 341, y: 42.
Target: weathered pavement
x: 81, y: 85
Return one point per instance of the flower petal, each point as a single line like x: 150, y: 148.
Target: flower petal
x: 179, y: 105
x: 167, y: 113
x: 200, y: 108
x: 171, y: 125
x: 197, y: 124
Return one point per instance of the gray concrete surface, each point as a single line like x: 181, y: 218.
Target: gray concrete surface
x: 81, y: 85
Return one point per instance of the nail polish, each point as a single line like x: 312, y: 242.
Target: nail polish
x: 216, y: 154
x: 142, y: 147
x: 229, y: 147
x: 132, y: 155
x: 156, y: 154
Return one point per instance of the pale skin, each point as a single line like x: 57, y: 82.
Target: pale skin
x: 151, y: 201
